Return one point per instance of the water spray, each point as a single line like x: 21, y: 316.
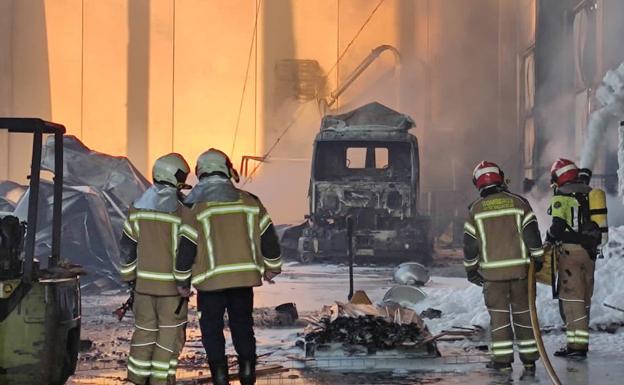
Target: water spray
x: 610, y: 95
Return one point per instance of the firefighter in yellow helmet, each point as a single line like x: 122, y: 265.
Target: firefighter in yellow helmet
x: 228, y: 245
x: 500, y: 236
x: 578, y: 239
x: 148, y: 248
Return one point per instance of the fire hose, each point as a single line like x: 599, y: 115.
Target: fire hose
x: 536, y: 328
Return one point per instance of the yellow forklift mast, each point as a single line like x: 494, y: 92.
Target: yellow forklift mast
x: 39, y: 307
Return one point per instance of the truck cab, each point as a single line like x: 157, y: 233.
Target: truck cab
x: 365, y: 166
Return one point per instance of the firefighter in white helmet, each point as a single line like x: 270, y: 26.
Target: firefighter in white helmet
x: 229, y: 244
x: 500, y: 237
x: 148, y: 246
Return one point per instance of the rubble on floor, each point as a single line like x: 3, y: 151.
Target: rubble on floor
x: 431, y: 313
x: 368, y: 329
x: 280, y: 316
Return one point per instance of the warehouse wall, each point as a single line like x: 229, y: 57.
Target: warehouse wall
x: 145, y: 77
x: 25, y: 82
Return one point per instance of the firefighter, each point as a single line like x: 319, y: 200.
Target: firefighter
x: 148, y: 245
x: 228, y: 245
x: 500, y: 236
x: 577, y: 238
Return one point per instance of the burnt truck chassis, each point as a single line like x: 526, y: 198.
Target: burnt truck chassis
x: 381, y: 200
x: 401, y: 241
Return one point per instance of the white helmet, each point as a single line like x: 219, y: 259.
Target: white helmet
x: 171, y: 169
x: 213, y: 161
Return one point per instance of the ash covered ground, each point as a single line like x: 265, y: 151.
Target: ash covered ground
x: 312, y: 286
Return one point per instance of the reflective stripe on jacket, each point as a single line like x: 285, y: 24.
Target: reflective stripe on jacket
x: 156, y: 236
x: 497, y: 222
x: 229, y: 250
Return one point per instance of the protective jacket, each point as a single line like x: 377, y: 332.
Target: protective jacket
x: 148, y: 250
x: 227, y: 242
x: 500, y: 235
x: 148, y: 247
x: 579, y: 237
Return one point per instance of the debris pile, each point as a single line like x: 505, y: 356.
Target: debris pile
x: 98, y: 190
x: 359, y: 328
x: 281, y: 316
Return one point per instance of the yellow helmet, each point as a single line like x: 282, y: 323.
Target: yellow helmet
x: 214, y: 160
x: 171, y: 169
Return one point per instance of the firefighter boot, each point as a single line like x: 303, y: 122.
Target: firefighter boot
x: 219, y: 372
x: 500, y: 366
x: 529, y: 371
x: 247, y: 371
x: 571, y: 353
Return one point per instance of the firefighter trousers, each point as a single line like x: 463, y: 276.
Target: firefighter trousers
x: 158, y: 338
x: 239, y: 305
x: 576, y: 287
x: 508, y: 305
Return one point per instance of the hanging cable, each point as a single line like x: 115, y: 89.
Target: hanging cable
x: 300, y: 109
x: 279, y: 138
x: 242, y: 98
x: 357, y: 34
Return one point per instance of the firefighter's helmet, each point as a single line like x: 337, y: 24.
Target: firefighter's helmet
x: 171, y: 169
x: 487, y: 174
x: 563, y: 171
x: 213, y: 161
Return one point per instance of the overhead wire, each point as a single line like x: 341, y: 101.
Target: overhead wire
x: 300, y: 109
x: 357, y: 34
x: 242, y: 98
x: 277, y: 141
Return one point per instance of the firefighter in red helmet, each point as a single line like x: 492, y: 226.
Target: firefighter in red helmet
x: 501, y: 235
x: 577, y: 239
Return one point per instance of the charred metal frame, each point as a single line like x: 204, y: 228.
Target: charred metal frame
x: 38, y: 128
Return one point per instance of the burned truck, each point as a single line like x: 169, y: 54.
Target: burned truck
x: 365, y: 170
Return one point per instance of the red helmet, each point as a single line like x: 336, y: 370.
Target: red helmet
x: 563, y: 171
x: 487, y: 174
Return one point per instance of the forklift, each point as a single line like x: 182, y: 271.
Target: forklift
x: 39, y: 305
